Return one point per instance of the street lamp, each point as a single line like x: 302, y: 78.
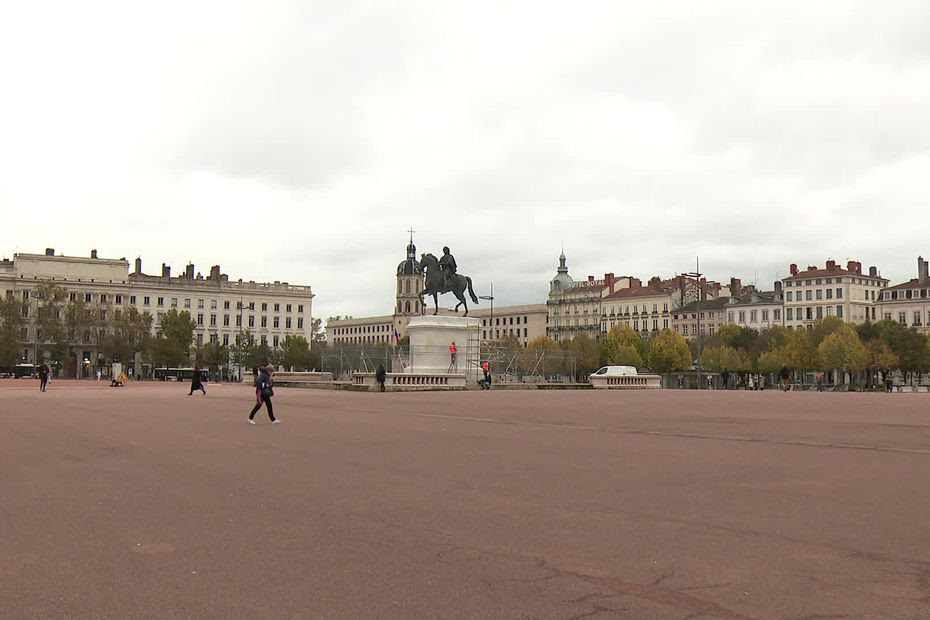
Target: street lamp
x: 491, y: 299
x: 696, y: 274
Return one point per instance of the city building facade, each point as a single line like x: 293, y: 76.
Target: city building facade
x: 909, y: 302
x: 814, y: 294
x: 220, y: 308
x: 576, y: 306
x: 650, y: 308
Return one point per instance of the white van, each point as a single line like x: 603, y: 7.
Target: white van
x: 614, y: 371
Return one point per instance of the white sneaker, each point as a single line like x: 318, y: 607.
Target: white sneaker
x: 251, y: 421
x: 276, y: 422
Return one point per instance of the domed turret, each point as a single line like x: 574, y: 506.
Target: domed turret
x: 409, y: 283
x: 562, y: 281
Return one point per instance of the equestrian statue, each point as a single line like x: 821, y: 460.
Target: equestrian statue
x: 441, y: 277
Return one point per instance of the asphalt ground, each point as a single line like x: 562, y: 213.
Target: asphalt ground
x: 143, y: 502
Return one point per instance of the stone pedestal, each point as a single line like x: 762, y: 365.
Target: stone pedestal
x: 430, y: 337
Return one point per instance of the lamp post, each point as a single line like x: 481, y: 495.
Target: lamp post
x: 696, y: 274
x: 490, y: 298
x: 35, y: 350
x: 239, y: 340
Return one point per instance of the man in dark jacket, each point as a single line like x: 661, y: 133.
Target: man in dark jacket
x: 380, y: 376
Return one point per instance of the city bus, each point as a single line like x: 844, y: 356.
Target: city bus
x: 178, y: 374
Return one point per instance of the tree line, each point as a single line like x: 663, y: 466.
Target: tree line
x: 66, y: 324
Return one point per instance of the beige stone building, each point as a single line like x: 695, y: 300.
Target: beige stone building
x: 576, y: 306
x: 814, y: 294
x: 220, y: 307
x: 909, y: 302
x: 650, y: 308
x: 713, y: 316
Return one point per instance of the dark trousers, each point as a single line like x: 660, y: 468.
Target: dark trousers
x: 381, y: 384
x: 267, y: 401
x: 43, y: 381
x: 197, y: 387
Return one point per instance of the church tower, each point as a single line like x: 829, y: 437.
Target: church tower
x: 409, y: 284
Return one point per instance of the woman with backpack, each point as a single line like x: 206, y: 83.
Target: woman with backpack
x: 263, y: 394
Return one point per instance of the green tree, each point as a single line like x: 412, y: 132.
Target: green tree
x: 824, y: 328
x: 586, y: 353
x: 881, y: 359
x: 129, y: 333
x: 723, y: 357
x: 176, y: 332
x: 50, y: 320
x: 11, y: 330
x: 295, y: 353
x: 622, y: 346
x: 770, y: 362
x: 668, y: 352
x: 799, y: 352
x: 78, y: 330
x: 542, y: 355
x: 213, y: 355
x: 842, y: 350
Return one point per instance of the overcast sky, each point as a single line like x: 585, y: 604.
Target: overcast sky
x: 299, y: 140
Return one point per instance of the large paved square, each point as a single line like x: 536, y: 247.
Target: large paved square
x: 143, y: 502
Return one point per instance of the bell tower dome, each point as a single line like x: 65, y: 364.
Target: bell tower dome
x: 409, y: 283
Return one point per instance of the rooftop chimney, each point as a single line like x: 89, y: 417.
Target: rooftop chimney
x: 636, y: 283
x: 93, y: 253
x: 778, y: 288
x: 50, y: 251
x: 831, y: 265
x: 793, y: 268
x: 215, y: 272
x: 873, y: 271
x: 854, y: 267
x: 139, y: 265
x: 922, y: 268
x: 590, y: 278
x: 189, y: 272
x: 609, y: 280
x: 735, y: 287
x: 165, y: 270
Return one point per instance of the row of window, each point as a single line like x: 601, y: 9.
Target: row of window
x: 916, y: 318
x: 497, y: 321
x: 118, y: 299
x: 819, y: 281
x: 810, y: 294
x: 362, y: 329
x: 906, y: 294
x: 504, y: 333
x: 811, y: 313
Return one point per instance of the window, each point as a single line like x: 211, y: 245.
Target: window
x: 276, y: 323
x: 839, y: 295
x: 829, y: 293
x: 264, y: 321
x: 88, y: 297
x: 730, y: 316
x: 742, y: 316
x: 264, y: 307
x: 239, y: 321
x: 902, y: 318
x: 819, y: 312
x: 264, y: 339
x: 916, y: 318
x: 174, y: 302
x: 829, y: 310
x: 161, y: 301
x: 199, y: 318
x: 275, y: 342
x: 132, y: 299
x: 287, y: 308
x: 199, y: 339
x: 26, y: 295
x: 212, y: 304
x: 753, y: 316
x: 213, y: 320
x: 839, y: 311
x: 225, y: 320
x: 103, y: 298
x: 808, y: 295
x: 765, y: 315
x: 819, y: 294
x: 200, y: 304
x: 251, y: 320
x: 251, y: 305
x: 225, y: 305
x: 808, y: 313
x: 277, y: 307
x: 119, y: 299
x: 300, y: 322
x: 226, y: 340
x: 146, y: 301
x: 187, y: 303
x: 300, y: 308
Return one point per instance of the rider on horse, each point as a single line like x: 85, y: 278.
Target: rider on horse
x: 448, y: 267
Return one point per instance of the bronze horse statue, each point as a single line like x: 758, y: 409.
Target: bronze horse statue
x: 436, y: 285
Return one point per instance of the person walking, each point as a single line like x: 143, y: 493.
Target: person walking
x: 263, y: 394
x: 380, y: 376
x: 196, y: 383
x: 43, y: 377
x: 783, y: 375
x: 725, y: 377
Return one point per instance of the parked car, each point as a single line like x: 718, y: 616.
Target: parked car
x: 614, y: 371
